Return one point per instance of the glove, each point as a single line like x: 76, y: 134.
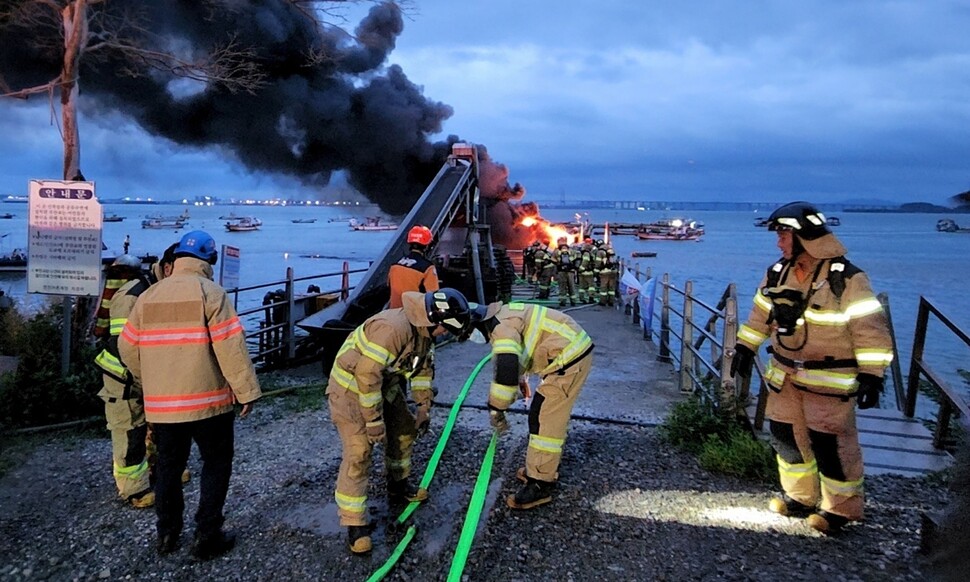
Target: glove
x: 524, y: 388
x: 499, y: 422
x: 422, y: 420
x: 742, y: 362
x: 870, y: 387
x: 376, y: 431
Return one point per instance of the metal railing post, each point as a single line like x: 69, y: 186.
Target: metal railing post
x: 687, y: 340
x: 895, y: 368
x: 919, y: 342
x: 289, y: 337
x: 664, y: 355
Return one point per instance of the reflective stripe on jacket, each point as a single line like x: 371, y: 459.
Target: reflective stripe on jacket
x: 853, y: 327
x: 543, y: 339
x: 186, y: 345
x: 395, y: 341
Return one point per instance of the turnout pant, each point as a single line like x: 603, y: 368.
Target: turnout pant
x: 567, y: 288
x: 352, y: 478
x: 549, y: 415
x: 607, y: 287
x: 817, y: 444
x: 587, y: 287
x: 214, y: 437
x: 126, y: 422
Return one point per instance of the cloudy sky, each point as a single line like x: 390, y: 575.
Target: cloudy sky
x: 694, y: 100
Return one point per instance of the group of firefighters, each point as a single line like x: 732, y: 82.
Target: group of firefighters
x: 586, y: 272
x: 829, y: 336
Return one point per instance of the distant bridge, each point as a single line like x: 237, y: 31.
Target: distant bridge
x: 702, y: 205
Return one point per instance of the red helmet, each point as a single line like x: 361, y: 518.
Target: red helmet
x: 420, y: 235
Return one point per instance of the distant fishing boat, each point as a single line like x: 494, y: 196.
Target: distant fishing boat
x: 371, y: 223
x: 157, y: 221
x: 949, y: 225
x: 674, y: 229
x: 13, y: 262
x: 304, y: 220
x: 244, y: 224
x: 112, y: 218
x: 7, y: 215
x: 833, y: 221
x: 340, y: 219
x: 761, y: 221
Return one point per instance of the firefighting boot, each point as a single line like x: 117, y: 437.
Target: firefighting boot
x: 825, y: 522
x: 787, y: 506
x: 358, y: 539
x: 142, y: 500
x: 533, y: 494
x: 401, y: 492
x: 166, y: 544
x: 521, y: 475
x: 213, y: 545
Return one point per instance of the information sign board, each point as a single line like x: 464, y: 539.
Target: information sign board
x: 63, y: 238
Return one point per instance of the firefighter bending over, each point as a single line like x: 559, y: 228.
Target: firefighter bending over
x: 367, y: 399
x: 531, y: 339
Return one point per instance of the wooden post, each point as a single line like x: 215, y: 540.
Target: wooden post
x: 729, y: 393
x: 345, y: 282
x: 895, y: 368
x: 288, y: 335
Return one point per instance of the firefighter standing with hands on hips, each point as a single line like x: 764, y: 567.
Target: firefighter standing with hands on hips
x: 531, y: 339
x: 366, y: 394
x: 830, y: 345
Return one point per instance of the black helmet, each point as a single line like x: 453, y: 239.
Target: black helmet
x: 800, y: 217
x: 449, y: 308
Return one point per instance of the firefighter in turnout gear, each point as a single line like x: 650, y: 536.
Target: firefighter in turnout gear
x: 545, y: 269
x: 413, y: 272
x: 566, y: 264
x: 366, y: 394
x: 529, y: 262
x: 608, y: 272
x: 830, y: 345
x: 587, y: 276
x: 124, y: 407
x: 531, y: 339
x: 186, y: 345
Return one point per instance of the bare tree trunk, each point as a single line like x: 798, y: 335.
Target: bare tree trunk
x: 75, y: 21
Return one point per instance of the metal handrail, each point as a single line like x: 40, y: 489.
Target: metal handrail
x: 952, y: 400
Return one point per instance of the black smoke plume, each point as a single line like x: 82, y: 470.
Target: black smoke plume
x: 312, y: 117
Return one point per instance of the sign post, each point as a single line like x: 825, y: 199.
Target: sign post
x: 63, y: 246
x: 229, y: 267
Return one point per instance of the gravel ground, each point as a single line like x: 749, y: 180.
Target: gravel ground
x: 626, y: 508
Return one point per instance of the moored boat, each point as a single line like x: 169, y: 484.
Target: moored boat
x: 674, y: 229
x: 244, y: 224
x: 7, y: 215
x: 304, y: 220
x: 157, y: 221
x: 112, y: 218
x: 833, y: 221
x: 371, y: 223
x: 949, y: 225
x: 13, y: 262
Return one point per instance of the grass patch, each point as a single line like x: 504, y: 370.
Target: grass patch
x: 303, y: 399
x: 720, y: 443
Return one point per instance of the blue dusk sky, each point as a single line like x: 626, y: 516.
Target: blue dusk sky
x: 826, y: 101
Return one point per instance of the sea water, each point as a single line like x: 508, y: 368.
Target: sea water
x: 903, y: 254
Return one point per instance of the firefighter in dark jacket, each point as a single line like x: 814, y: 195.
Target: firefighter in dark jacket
x: 414, y: 271
x: 830, y: 345
x: 366, y: 394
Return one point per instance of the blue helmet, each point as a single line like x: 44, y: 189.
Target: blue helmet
x: 198, y: 244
